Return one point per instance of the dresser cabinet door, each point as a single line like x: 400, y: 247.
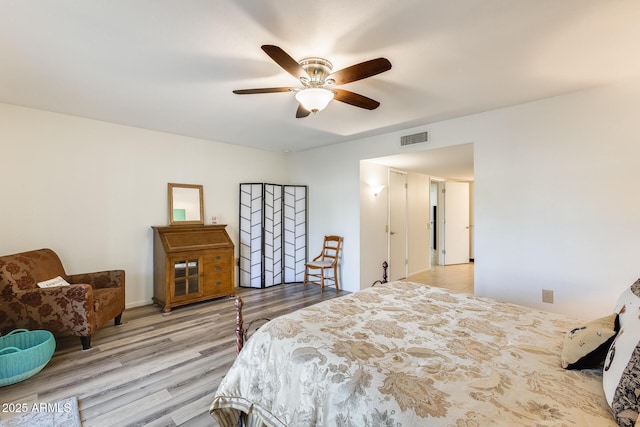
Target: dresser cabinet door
x: 187, y: 274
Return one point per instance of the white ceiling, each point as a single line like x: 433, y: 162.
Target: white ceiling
x: 170, y: 65
x: 451, y: 163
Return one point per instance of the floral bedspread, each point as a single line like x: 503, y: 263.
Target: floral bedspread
x: 406, y: 354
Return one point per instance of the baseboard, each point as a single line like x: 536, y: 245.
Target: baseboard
x: 137, y: 304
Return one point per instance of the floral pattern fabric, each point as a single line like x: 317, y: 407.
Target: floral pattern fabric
x: 406, y: 354
x: 77, y: 310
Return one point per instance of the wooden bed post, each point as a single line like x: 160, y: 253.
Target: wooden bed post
x: 384, y: 271
x: 385, y: 265
x: 239, y: 326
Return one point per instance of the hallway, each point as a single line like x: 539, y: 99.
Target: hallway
x: 457, y: 277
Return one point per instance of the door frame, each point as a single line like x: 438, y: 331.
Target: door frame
x: 435, y: 221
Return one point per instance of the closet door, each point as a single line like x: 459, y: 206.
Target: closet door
x: 295, y: 232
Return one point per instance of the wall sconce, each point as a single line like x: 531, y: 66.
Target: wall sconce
x: 376, y: 189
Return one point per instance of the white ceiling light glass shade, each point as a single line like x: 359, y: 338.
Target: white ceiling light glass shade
x: 314, y: 99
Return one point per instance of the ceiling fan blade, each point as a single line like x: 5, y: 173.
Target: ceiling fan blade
x: 361, y: 71
x: 302, y: 112
x: 355, y: 99
x: 283, y: 59
x: 262, y: 90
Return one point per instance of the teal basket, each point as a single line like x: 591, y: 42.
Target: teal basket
x: 23, y: 354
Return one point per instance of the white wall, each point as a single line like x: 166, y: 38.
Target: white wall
x: 91, y: 190
x: 556, y: 200
x: 555, y: 197
x: 332, y: 210
x: 373, y: 222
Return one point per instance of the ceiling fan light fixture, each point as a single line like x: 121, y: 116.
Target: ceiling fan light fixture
x: 314, y: 99
x: 318, y: 79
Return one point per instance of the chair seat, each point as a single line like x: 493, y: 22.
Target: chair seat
x: 320, y: 264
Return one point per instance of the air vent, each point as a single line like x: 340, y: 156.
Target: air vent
x: 416, y: 138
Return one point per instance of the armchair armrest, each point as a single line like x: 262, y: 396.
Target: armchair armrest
x: 38, y: 296
x: 100, y: 279
x: 62, y: 310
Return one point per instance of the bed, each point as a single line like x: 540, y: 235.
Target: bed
x: 406, y: 354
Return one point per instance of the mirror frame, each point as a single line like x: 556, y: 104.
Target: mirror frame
x: 172, y: 220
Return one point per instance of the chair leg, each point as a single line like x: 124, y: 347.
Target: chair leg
x: 86, y: 342
x: 304, y: 281
x: 321, y: 280
x: 335, y: 277
x: 118, y: 320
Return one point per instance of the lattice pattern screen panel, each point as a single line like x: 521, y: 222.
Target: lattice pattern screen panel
x: 250, y: 250
x: 272, y: 256
x: 295, y: 232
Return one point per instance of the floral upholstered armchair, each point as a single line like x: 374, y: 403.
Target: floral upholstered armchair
x: 88, y: 302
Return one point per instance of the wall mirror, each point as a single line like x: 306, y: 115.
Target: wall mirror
x: 185, y: 204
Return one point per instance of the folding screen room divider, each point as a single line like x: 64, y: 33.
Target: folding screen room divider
x: 273, y: 234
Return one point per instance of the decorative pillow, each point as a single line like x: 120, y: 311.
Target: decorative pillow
x: 51, y: 283
x: 621, y: 375
x: 587, y: 346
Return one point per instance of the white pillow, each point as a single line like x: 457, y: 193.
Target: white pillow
x: 621, y: 375
x: 586, y: 346
x: 52, y: 283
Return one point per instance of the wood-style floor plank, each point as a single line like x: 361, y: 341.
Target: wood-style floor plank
x: 154, y: 369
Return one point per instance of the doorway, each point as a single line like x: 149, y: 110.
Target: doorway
x: 451, y: 163
x: 454, y: 202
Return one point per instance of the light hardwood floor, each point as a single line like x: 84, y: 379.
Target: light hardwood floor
x: 155, y: 370
x: 458, y: 277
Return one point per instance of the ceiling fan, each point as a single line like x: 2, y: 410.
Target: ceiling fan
x: 318, y: 80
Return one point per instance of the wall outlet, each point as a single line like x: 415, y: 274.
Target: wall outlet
x: 547, y: 296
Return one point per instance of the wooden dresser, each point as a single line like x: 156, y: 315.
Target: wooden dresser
x: 191, y: 263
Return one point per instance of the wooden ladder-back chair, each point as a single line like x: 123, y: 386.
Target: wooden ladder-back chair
x: 327, y: 260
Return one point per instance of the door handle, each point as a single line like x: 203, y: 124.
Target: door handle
x: 392, y: 232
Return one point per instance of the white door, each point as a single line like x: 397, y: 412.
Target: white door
x: 455, y: 198
x: 434, y: 224
x: 397, y: 236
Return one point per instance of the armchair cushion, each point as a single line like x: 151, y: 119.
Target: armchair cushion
x: 91, y: 300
